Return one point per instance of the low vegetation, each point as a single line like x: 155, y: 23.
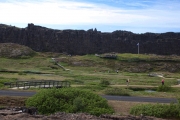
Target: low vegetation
x: 117, y: 91
x: 91, y: 73
x: 69, y: 100
x: 164, y: 88
x: 157, y: 110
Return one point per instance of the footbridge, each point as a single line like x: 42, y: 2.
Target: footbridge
x: 37, y: 84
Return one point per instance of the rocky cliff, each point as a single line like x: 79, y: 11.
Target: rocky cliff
x: 80, y: 42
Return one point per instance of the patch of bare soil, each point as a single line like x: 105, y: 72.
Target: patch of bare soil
x: 122, y: 107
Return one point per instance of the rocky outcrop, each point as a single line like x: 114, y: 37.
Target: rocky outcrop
x: 80, y: 42
x: 12, y: 50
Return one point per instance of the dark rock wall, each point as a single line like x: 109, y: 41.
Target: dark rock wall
x: 80, y: 42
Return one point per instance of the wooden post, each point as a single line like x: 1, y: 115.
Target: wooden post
x: 39, y: 84
x: 57, y: 83
x: 61, y: 84
x: 24, y: 85
x: 17, y: 85
x: 35, y: 84
x: 29, y: 84
x: 49, y: 84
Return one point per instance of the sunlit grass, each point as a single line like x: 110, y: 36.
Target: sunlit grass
x: 87, y: 70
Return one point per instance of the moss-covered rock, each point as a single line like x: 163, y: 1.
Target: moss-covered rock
x: 12, y: 50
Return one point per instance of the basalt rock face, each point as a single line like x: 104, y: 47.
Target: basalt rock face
x: 80, y: 42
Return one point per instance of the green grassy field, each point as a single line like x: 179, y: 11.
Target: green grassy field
x: 88, y: 71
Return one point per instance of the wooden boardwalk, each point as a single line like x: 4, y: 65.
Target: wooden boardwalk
x: 38, y: 84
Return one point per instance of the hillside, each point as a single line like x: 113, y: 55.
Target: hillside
x: 136, y: 63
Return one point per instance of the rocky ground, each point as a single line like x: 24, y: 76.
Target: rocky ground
x: 20, y: 114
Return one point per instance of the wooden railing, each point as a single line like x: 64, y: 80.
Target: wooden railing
x: 38, y: 84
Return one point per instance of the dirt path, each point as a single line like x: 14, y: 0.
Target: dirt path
x: 140, y: 86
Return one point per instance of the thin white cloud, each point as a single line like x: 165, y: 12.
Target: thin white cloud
x: 64, y: 12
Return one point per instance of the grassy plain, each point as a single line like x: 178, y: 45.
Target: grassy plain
x: 88, y: 71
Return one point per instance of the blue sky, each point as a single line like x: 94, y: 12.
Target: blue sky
x: 138, y: 16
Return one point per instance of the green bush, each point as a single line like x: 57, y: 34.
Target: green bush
x: 104, y: 83
x: 117, y: 91
x: 26, y: 56
x: 157, y: 110
x: 4, y: 80
x: 93, y: 88
x: 135, y: 59
x: 21, y: 73
x: 164, y: 88
x: 76, y: 81
x: 70, y: 100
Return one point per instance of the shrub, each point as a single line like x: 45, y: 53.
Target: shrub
x: 157, y: 110
x: 104, y: 83
x: 117, y: 91
x: 78, y: 104
x: 70, y: 100
x: 76, y: 81
x: 164, y: 88
x: 21, y: 73
x: 91, y: 88
x: 4, y: 80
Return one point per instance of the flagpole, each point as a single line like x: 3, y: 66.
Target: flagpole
x: 138, y: 48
